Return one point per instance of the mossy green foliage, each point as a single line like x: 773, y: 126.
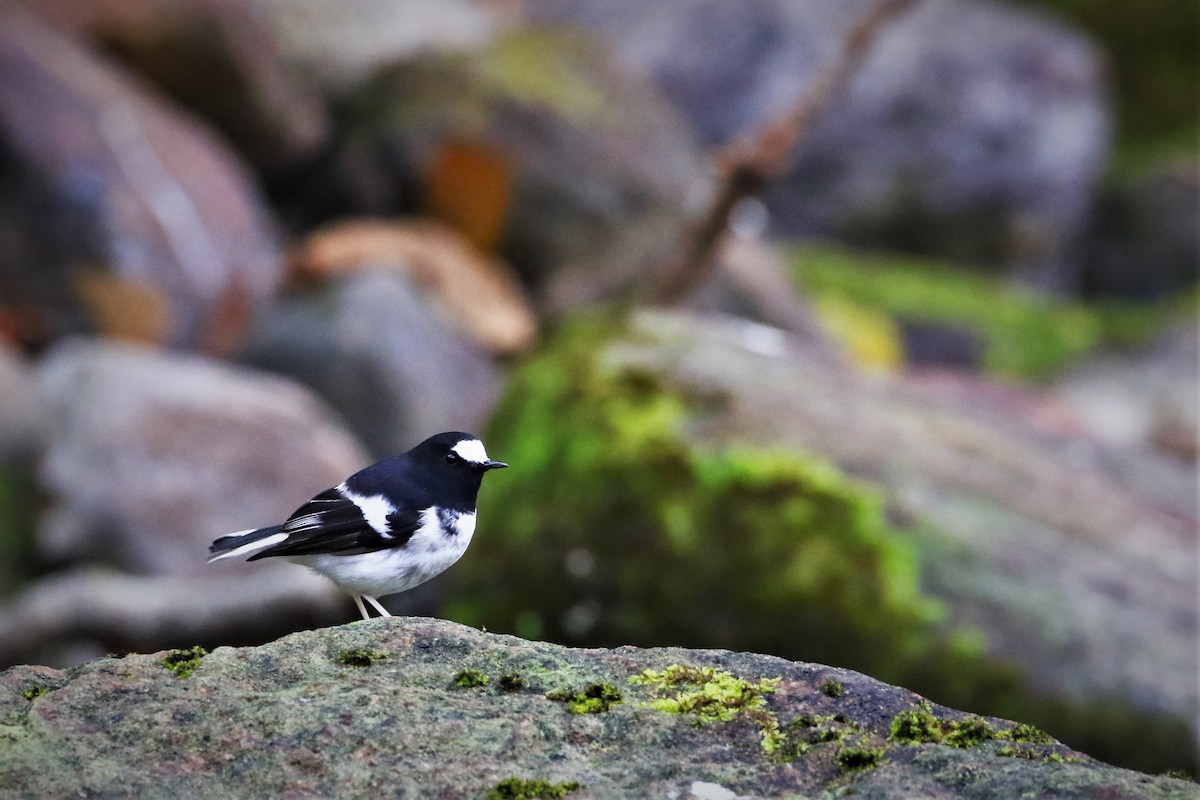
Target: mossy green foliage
x: 709, y: 694
x: 35, y: 691
x: 1024, y: 732
x: 921, y: 726
x: 807, y: 731
x: 594, y: 699
x: 1024, y: 334
x: 470, y: 679
x: 519, y: 788
x: 184, y: 662
x: 360, y: 657
x: 1032, y: 753
x: 713, y: 695
x: 734, y: 547
x: 832, y: 688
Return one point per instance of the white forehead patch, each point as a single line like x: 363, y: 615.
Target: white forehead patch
x: 471, y: 450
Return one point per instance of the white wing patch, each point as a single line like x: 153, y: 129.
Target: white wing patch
x: 471, y: 450
x: 375, y: 510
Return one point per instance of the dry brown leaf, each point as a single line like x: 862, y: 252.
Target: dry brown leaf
x: 123, y: 308
x: 478, y: 294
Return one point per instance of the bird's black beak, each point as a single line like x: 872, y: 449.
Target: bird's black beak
x: 493, y: 465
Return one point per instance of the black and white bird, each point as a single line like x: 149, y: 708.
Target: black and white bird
x: 383, y: 530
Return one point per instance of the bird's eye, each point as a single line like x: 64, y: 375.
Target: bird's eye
x: 453, y: 458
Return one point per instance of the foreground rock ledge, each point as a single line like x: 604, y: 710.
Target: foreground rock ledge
x: 374, y: 709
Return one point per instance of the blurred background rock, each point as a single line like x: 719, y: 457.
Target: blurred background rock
x: 866, y: 343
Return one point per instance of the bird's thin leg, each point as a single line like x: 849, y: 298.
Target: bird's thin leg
x: 383, y: 612
x: 361, y: 608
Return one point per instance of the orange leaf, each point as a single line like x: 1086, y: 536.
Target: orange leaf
x: 123, y: 308
x: 469, y: 187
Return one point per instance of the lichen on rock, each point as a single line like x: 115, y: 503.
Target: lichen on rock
x: 286, y: 719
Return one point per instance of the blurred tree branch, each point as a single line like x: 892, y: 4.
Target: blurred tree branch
x: 752, y: 162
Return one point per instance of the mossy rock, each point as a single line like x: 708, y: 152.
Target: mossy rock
x: 625, y: 521
x: 286, y: 720
x: 614, y: 528
x: 1021, y: 333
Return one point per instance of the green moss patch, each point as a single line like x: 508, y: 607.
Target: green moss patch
x: 360, y: 657
x: 469, y: 679
x: 594, y: 699
x: 832, y: 688
x: 807, y: 731
x: 713, y: 695
x: 861, y: 296
x: 517, y: 788
x: 35, y: 691
x: 922, y: 726
x: 708, y: 694
x: 1024, y: 732
x: 184, y: 662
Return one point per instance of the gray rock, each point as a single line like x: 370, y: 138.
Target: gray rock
x: 1147, y: 402
x: 597, y: 174
x: 1143, y: 241
x: 118, y: 210
x: 376, y: 350
x: 337, y: 43
x: 153, y: 455
x: 375, y: 707
x: 22, y: 417
x: 218, y: 58
x: 974, y: 131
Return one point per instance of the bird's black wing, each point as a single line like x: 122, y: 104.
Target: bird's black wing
x: 333, y: 524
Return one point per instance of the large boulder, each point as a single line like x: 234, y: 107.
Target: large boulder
x: 376, y: 347
x: 975, y: 130
x: 22, y: 416
x: 118, y: 210
x: 218, y: 58
x: 154, y: 455
x: 150, y: 457
x: 424, y: 708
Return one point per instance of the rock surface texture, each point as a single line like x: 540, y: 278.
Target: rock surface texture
x: 1079, y: 573
x: 119, y: 211
x: 410, y: 707
x: 965, y: 116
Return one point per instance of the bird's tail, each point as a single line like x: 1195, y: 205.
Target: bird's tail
x: 244, y: 543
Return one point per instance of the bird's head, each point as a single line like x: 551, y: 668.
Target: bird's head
x: 455, y: 453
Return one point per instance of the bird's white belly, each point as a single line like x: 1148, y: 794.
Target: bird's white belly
x: 428, y: 553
